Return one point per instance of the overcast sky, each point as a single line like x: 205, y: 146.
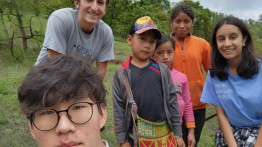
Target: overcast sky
x: 243, y: 9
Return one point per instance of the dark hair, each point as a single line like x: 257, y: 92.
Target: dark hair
x: 165, y: 39
x: 107, y: 2
x: 249, y: 64
x: 132, y: 28
x: 59, y: 79
x: 182, y: 7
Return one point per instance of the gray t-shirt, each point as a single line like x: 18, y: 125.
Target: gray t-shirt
x: 64, y: 36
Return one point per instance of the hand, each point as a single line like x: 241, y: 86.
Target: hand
x: 125, y: 144
x: 180, y: 142
x: 191, y: 140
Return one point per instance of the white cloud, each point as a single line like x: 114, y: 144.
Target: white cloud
x: 243, y: 9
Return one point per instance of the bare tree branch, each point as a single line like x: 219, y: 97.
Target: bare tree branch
x: 12, y: 46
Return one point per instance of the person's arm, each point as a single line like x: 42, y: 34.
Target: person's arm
x: 259, y: 138
x: 188, y: 114
x: 101, y: 67
x: 225, y: 127
x: 56, y: 34
x: 52, y: 53
x: 191, y: 137
x: 125, y: 144
x: 106, y: 53
x: 174, y: 110
x: 119, y: 108
x: 180, y: 142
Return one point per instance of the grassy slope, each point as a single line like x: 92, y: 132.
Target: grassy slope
x: 14, y: 126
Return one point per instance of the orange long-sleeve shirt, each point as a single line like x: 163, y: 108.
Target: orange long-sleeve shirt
x: 189, y: 60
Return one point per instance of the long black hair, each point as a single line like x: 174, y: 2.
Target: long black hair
x: 249, y: 64
x: 165, y: 39
x: 182, y: 7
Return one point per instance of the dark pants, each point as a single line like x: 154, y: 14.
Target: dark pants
x: 200, y: 116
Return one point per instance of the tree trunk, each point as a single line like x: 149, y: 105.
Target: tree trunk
x: 21, y: 26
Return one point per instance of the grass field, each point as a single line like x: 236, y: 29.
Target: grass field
x: 14, y: 126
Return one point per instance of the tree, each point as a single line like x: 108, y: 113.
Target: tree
x: 204, y: 19
x: 118, y: 16
x: 52, y: 5
x: 17, y: 12
x: 121, y: 14
x: 17, y: 18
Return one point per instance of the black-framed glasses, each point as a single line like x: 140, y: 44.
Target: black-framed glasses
x: 47, y: 119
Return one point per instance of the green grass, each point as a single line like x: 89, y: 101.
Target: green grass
x: 14, y: 130
x: 13, y: 125
x: 207, y: 136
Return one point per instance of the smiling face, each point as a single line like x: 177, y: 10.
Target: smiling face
x: 67, y: 133
x: 143, y: 46
x: 90, y: 12
x: 181, y: 25
x: 165, y: 53
x: 230, y: 42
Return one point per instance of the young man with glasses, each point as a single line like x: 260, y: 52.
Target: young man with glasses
x: 65, y: 107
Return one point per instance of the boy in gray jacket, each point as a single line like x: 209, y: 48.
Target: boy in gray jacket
x: 145, y: 105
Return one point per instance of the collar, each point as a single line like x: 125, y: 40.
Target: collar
x: 127, y: 61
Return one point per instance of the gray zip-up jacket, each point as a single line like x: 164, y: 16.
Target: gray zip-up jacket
x: 122, y: 104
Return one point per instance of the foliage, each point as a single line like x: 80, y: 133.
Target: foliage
x: 120, y: 19
x: 258, y: 46
x: 52, y: 5
x: 255, y: 28
x: 204, y: 19
x: 16, y: 18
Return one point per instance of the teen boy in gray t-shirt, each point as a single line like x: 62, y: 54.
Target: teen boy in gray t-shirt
x: 80, y: 32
